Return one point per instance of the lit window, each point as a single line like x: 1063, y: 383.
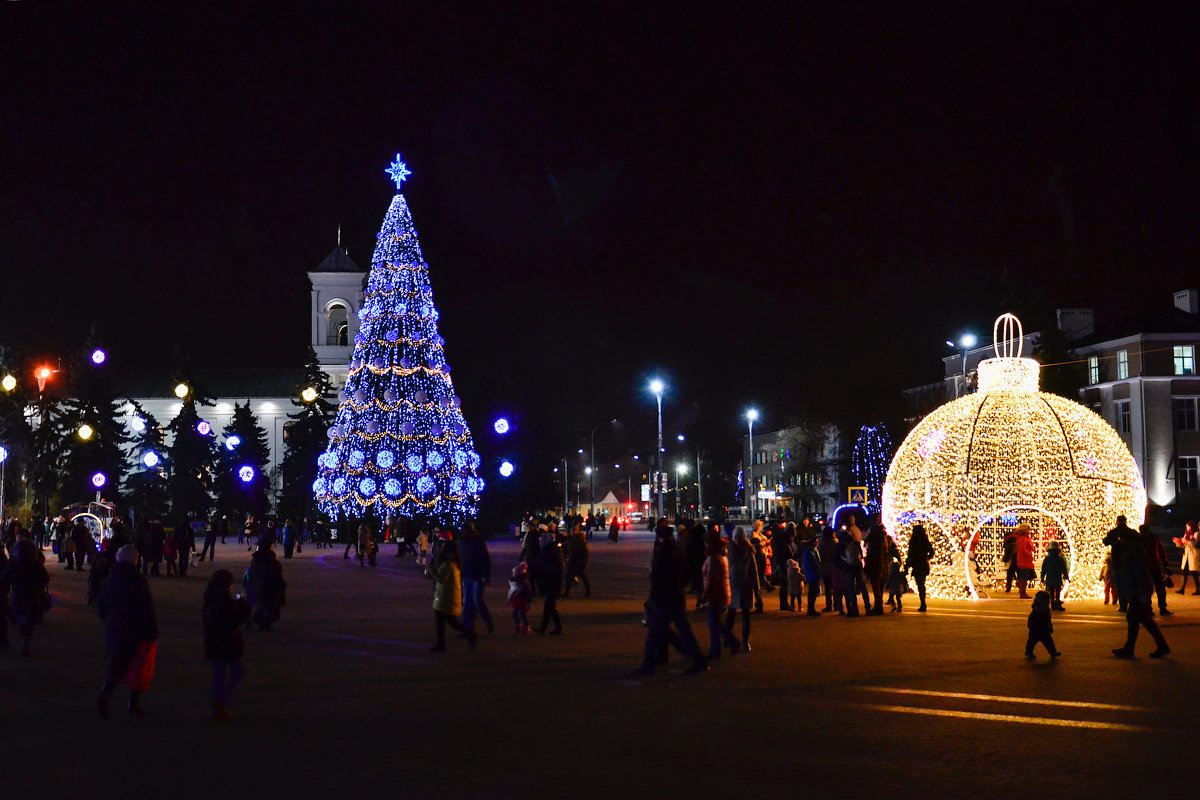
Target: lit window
x: 1093, y: 369
x: 1124, y: 417
x: 1185, y: 360
x: 1189, y: 472
x: 1122, y: 364
x: 1185, y: 413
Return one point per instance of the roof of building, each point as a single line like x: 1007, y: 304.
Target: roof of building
x: 229, y: 384
x: 1158, y: 320
x: 338, y: 260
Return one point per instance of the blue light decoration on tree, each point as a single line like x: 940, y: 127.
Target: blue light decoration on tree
x: 399, y: 444
x: 869, y: 462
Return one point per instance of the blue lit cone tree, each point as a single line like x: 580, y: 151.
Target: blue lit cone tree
x: 399, y: 444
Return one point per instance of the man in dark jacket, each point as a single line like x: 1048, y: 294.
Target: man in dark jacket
x: 1116, y: 540
x: 666, y: 606
x: 185, y: 542
x: 84, y: 545
x: 476, y: 574
x: 1136, y: 587
x: 1156, y: 558
x: 127, y: 609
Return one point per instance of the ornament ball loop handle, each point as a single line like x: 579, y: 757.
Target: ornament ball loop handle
x: 1008, y: 337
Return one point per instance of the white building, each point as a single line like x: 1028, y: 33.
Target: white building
x: 338, y: 286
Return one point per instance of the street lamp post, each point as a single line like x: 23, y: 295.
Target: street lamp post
x: 566, y: 500
x: 680, y: 469
x: 3, y: 460
x: 751, y: 415
x: 965, y: 343
x: 657, y: 387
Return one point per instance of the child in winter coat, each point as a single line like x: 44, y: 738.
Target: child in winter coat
x: 1040, y: 627
x: 1106, y: 575
x: 795, y: 582
x: 519, y: 596
x: 1054, y: 573
x: 896, y: 583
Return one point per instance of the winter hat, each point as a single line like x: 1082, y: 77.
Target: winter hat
x: 127, y: 554
x: 1052, y: 546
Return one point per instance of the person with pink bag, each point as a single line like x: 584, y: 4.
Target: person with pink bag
x: 130, y: 631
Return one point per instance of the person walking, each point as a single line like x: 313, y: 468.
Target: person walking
x: 223, y: 616
x: 1134, y: 583
x: 1190, y: 563
x: 825, y: 553
x: 917, y: 560
x: 782, y: 551
x: 476, y: 575
x: 130, y: 631
x: 666, y: 607
x: 877, y: 563
x: 1009, y: 544
x: 265, y: 587
x: 743, y: 576
x: 24, y: 585
x: 1156, y: 557
x: 1116, y: 539
x: 156, y: 540
x: 447, y: 594
x: 288, y: 537
x: 811, y: 566
x: 717, y: 596
x: 185, y: 544
x: 81, y: 537
x: 550, y: 581
x: 210, y: 540
x: 577, y: 562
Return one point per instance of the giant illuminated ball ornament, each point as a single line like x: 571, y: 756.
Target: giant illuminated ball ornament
x: 979, y: 466
x: 246, y: 473
x: 99, y: 480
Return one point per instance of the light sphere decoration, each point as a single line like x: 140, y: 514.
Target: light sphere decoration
x: 150, y: 460
x: 85, y: 431
x: 181, y: 390
x: 99, y: 356
x: 99, y: 480
x: 979, y: 466
x: 246, y: 473
x: 232, y: 441
x: 309, y: 394
x: 137, y: 424
x: 506, y: 469
x: 500, y: 426
x: 203, y: 428
x: 9, y: 383
x: 3, y: 455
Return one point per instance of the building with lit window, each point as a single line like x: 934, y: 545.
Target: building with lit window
x: 795, y: 472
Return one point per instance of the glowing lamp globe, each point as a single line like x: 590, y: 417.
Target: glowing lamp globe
x: 43, y: 373
x: 501, y: 426
x: 232, y: 441
x: 150, y: 460
x: 3, y: 455
x: 98, y: 356
x: 85, y: 431
x: 506, y: 469
x: 979, y: 466
x: 309, y: 394
x: 203, y: 428
x: 9, y: 383
x: 246, y: 474
x: 99, y: 480
x: 137, y: 424
x: 181, y: 390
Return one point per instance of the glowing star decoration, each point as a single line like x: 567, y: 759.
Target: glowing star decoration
x: 150, y: 460
x: 399, y: 172
x: 1009, y: 454
x: 246, y: 473
x: 931, y: 442
x: 99, y: 480
x: 399, y: 421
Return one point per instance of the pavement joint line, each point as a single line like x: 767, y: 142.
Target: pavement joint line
x: 1015, y: 718
x: 1007, y: 699
x: 1017, y: 617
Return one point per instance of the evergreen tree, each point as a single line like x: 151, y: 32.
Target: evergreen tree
x: 399, y: 444
x: 305, y: 438
x: 192, y: 454
x: 93, y: 435
x: 870, y: 461
x: 16, y: 434
x: 1061, y: 373
x: 146, y: 483
x: 246, y: 445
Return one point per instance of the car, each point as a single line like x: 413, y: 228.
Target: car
x: 636, y: 517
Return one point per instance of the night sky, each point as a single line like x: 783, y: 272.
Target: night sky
x: 792, y: 206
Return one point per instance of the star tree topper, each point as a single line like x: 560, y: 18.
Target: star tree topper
x: 399, y: 171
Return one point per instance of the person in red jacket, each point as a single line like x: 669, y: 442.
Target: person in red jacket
x: 717, y: 596
x: 1025, y: 570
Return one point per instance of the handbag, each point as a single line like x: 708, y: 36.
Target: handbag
x: 140, y: 671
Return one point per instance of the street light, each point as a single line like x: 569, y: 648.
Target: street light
x: 657, y: 387
x: 3, y: 459
x: 680, y: 469
x: 309, y: 394
x: 181, y: 390
x: 9, y: 383
x: 751, y: 415
x: 85, y: 431
x: 592, y: 469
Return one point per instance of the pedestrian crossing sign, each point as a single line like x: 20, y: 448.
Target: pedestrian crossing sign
x: 858, y: 494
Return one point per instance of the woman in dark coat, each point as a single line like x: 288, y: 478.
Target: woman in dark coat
x: 876, y: 565
x: 577, y: 562
x: 266, y: 585
x: 743, y: 577
x: 550, y: 577
x: 224, y: 615
x: 127, y: 609
x: 917, y: 560
x: 23, y: 585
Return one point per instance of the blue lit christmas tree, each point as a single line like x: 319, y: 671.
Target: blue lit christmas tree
x: 869, y: 462
x: 399, y: 445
